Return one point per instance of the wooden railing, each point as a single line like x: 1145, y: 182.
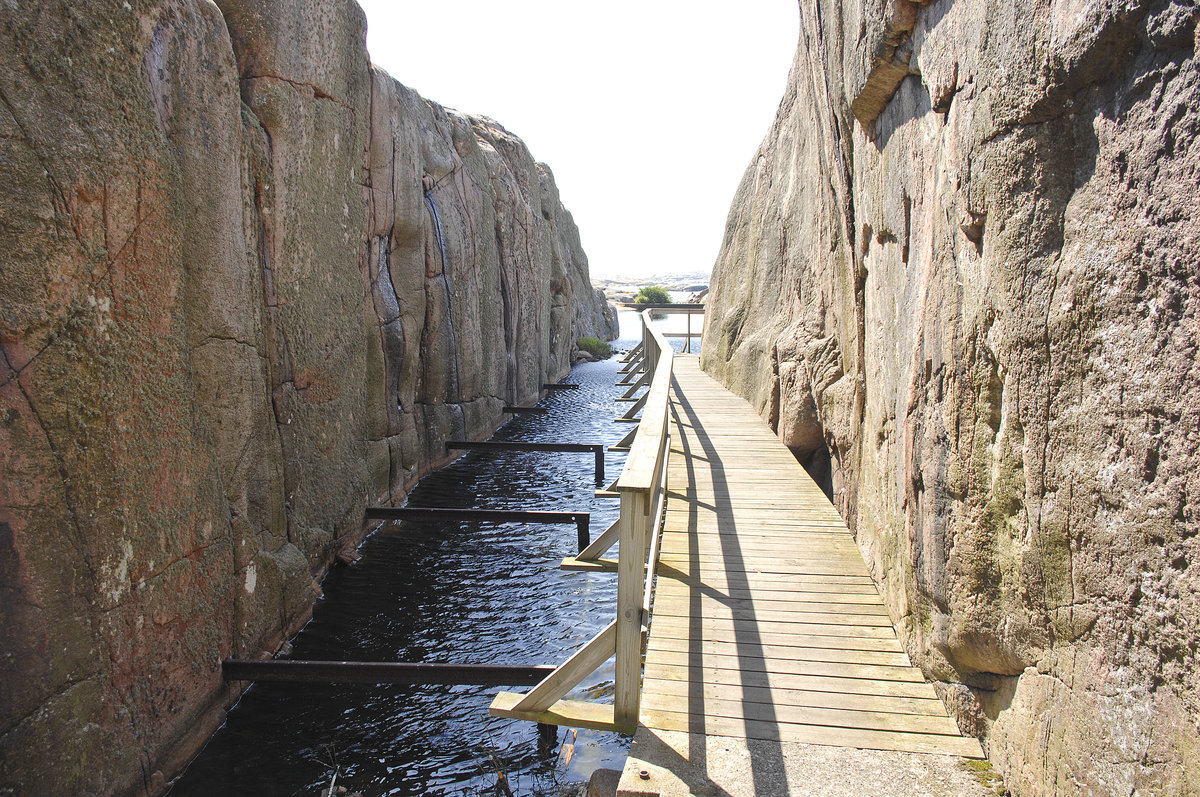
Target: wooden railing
x: 642, y: 490
x: 674, y: 308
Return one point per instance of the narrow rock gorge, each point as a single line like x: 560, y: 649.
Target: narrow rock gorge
x: 250, y: 285
x: 962, y: 270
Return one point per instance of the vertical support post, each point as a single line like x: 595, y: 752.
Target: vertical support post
x: 547, y: 738
x: 583, y: 533
x: 649, y: 350
x: 631, y: 569
x: 599, y: 464
x: 687, y: 347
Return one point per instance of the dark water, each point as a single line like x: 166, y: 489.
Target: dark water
x: 431, y: 591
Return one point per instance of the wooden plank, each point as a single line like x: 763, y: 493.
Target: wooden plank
x: 728, y: 487
x: 753, y: 661
x: 589, y: 565
x: 703, y: 525
x: 704, y: 521
x: 753, y: 503
x: 692, y: 484
x: 815, y: 734
x: 815, y: 683
x: 756, y: 553
x: 703, y: 518
x: 667, y: 602
x: 780, y: 567
x: 758, y: 538
x: 782, y: 651
x: 745, y: 615
x: 926, y: 706
x: 751, y: 547
x: 753, y: 556
x: 783, y: 567
x: 797, y: 584
x: 573, y: 713
x: 773, y: 711
x: 733, y: 565
x: 723, y: 582
x: 767, y: 636
x: 770, y: 592
x: 696, y: 527
x: 693, y: 524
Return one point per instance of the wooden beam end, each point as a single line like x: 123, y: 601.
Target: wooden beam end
x: 596, y: 566
x: 571, y: 713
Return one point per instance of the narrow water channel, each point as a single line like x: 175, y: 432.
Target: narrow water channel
x: 463, y: 592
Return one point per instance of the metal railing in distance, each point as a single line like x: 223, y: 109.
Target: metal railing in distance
x: 642, y: 489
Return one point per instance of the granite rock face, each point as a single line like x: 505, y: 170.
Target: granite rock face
x: 231, y: 319
x: 963, y: 262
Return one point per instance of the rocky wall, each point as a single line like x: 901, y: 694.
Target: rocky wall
x: 229, y: 322
x: 964, y: 262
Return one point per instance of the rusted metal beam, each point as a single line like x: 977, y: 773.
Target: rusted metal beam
x: 382, y: 672
x: 596, y: 449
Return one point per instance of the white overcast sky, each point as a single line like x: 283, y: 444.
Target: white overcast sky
x: 647, y: 111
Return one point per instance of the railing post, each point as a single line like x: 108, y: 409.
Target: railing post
x: 649, y: 350
x: 631, y: 570
x: 583, y: 534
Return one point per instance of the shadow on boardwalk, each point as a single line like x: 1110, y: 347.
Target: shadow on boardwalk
x: 768, y: 635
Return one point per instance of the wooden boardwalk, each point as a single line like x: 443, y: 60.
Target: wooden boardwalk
x: 765, y: 622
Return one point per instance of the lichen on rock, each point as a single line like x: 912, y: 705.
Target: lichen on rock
x: 229, y: 324
x: 975, y: 285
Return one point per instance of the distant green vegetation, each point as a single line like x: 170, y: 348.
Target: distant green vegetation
x: 595, y: 347
x: 652, y: 294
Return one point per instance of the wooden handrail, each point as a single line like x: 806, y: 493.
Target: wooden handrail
x: 642, y: 489
x: 644, y: 453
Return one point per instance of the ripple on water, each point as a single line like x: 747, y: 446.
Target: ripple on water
x: 444, y: 592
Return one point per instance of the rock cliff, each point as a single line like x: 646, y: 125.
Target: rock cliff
x: 963, y: 262
x: 250, y: 285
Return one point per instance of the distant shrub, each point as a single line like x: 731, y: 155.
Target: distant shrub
x: 595, y: 347
x: 652, y: 294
